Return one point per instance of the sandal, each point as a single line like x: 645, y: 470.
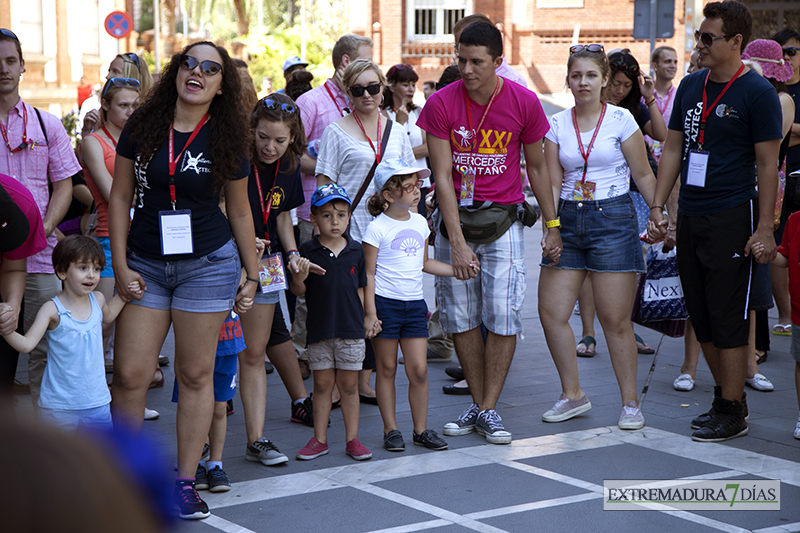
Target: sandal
x: 644, y: 349
x: 782, y: 329
x: 761, y: 357
x: 587, y: 341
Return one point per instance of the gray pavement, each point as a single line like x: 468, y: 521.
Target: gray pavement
x: 549, y: 479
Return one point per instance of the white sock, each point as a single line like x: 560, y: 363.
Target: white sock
x: 211, y: 465
x: 301, y: 400
x: 203, y: 464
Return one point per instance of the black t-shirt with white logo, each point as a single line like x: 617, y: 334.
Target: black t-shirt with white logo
x: 287, y: 195
x: 194, y: 190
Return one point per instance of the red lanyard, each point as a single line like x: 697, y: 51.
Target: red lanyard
x: 485, y: 112
x: 360, y: 125
x: 173, y: 161
x: 110, y: 137
x: 266, y: 209
x: 334, y: 99
x: 707, y: 110
x: 585, y: 153
x: 24, y: 131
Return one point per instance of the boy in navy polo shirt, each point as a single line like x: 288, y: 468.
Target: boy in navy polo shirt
x: 335, y: 322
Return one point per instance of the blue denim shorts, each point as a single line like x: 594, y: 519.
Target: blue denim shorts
x: 205, y: 284
x: 600, y: 236
x: 105, y: 242
x: 401, y: 319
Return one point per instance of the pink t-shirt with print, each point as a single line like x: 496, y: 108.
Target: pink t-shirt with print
x: 515, y: 118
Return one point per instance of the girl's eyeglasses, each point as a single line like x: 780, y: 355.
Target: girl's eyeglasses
x: 207, y: 67
x: 410, y: 188
x: 274, y: 105
x: 708, y: 39
x: 588, y: 47
x: 357, y: 91
x: 791, y: 51
x: 121, y: 82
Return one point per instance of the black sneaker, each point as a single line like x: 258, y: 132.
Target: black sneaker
x: 703, y: 419
x: 201, y: 478
x: 303, y: 412
x: 218, y: 480
x: 430, y: 439
x: 188, y: 503
x: 727, y: 422
x: 393, y: 441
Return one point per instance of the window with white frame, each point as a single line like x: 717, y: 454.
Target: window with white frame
x: 90, y: 27
x: 30, y: 32
x: 434, y: 19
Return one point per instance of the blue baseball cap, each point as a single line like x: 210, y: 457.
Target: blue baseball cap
x: 396, y: 167
x: 328, y: 192
x: 292, y: 61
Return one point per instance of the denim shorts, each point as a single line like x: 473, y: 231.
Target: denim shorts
x: 600, y: 236
x: 269, y: 298
x: 205, y: 284
x: 105, y: 242
x: 97, y: 418
x: 401, y: 319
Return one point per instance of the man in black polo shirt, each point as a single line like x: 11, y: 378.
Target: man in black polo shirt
x: 723, y: 138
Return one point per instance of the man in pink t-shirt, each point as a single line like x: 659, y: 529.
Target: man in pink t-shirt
x: 477, y: 128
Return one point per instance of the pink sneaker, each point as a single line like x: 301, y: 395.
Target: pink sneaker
x: 357, y: 451
x: 312, y: 450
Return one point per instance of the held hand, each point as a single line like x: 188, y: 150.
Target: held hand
x: 762, y: 245
x: 552, y: 246
x: 293, y: 263
x: 462, y: 257
x: 646, y: 85
x: 261, y: 245
x: 669, y: 240
x: 656, y: 226
x: 130, y: 284
x: 245, y: 296
x: 372, y: 326
x: 314, y: 268
x: 9, y: 316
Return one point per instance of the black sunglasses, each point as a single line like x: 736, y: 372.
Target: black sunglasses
x: 130, y: 57
x: 121, y: 82
x: 357, y: 91
x: 791, y: 51
x: 619, y: 65
x: 9, y: 33
x: 207, y: 67
x: 588, y: 47
x: 707, y: 39
x: 273, y: 105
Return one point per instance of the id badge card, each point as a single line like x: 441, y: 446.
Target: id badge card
x: 176, y: 232
x: 698, y: 165
x: 583, y: 190
x: 271, y: 275
x: 467, y: 190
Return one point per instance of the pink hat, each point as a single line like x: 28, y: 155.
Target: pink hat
x: 769, y: 56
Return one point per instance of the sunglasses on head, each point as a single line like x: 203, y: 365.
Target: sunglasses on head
x: 274, y: 105
x: 207, y: 67
x: 358, y: 91
x: 588, y: 47
x: 791, y: 51
x: 708, y: 39
x: 9, y: 33
x: 410, y: 188
x: 130, y: 57
x: 619, y: 65
x: 121, y: 82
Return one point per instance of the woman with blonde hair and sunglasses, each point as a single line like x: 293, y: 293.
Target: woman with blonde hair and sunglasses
x: 589, y: 150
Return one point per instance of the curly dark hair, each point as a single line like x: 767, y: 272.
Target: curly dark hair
x: 398, y: 74
x: 377, y: 204
x: 296, y: 149
x: 624, y: 62
x: 229, y: 134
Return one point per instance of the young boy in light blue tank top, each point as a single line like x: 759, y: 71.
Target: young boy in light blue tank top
x: 74, y: 391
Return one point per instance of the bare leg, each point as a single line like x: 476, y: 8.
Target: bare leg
x: 364, y: 386
x: 797, y: 382
x: 386, y: 360
x: 495, y: 368
x: 469, y: 350
x: 140, y: 333
x: 557, y: 289
x: 691, y: 351
x: 219, y: 427
x: 323, y: 383
x: 586, y: 303
x: 416, y: 363
x: 752, y: 367
x: 729, y: 368
x: 196, y: 336
x: 347, y: 382
x: 256, y: 325
x: 106, y: 287
x: 283, y: 357
x: 780, y: 291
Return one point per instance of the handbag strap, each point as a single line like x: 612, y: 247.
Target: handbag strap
x: 368, y: 179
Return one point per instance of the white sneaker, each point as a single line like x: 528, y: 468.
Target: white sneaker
x: 150, y: 414
x: 684, y: 382
x: 797, y: 430
x: 631, y: 417
x: 760, y: 382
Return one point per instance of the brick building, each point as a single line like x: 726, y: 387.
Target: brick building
x: 537, y: 33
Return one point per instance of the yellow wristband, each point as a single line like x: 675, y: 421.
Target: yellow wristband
x: 555, y: 223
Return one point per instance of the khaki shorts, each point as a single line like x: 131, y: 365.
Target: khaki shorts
x: 343, y: 354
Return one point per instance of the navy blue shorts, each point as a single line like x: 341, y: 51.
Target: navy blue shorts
x: 400, y: 319
x: 224, y: 379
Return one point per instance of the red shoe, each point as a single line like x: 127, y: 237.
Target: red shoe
x: 357, y: 451
x: 312, y: 450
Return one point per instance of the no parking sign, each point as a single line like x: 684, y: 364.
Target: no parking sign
x: 118, y: 24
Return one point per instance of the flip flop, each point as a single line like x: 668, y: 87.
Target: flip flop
x: 782, y: 329
x: 587, y: 341
x: 645, y: 350
x: 761, y: 358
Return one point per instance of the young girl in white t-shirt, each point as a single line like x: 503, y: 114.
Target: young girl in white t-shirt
x: 396, y: 252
